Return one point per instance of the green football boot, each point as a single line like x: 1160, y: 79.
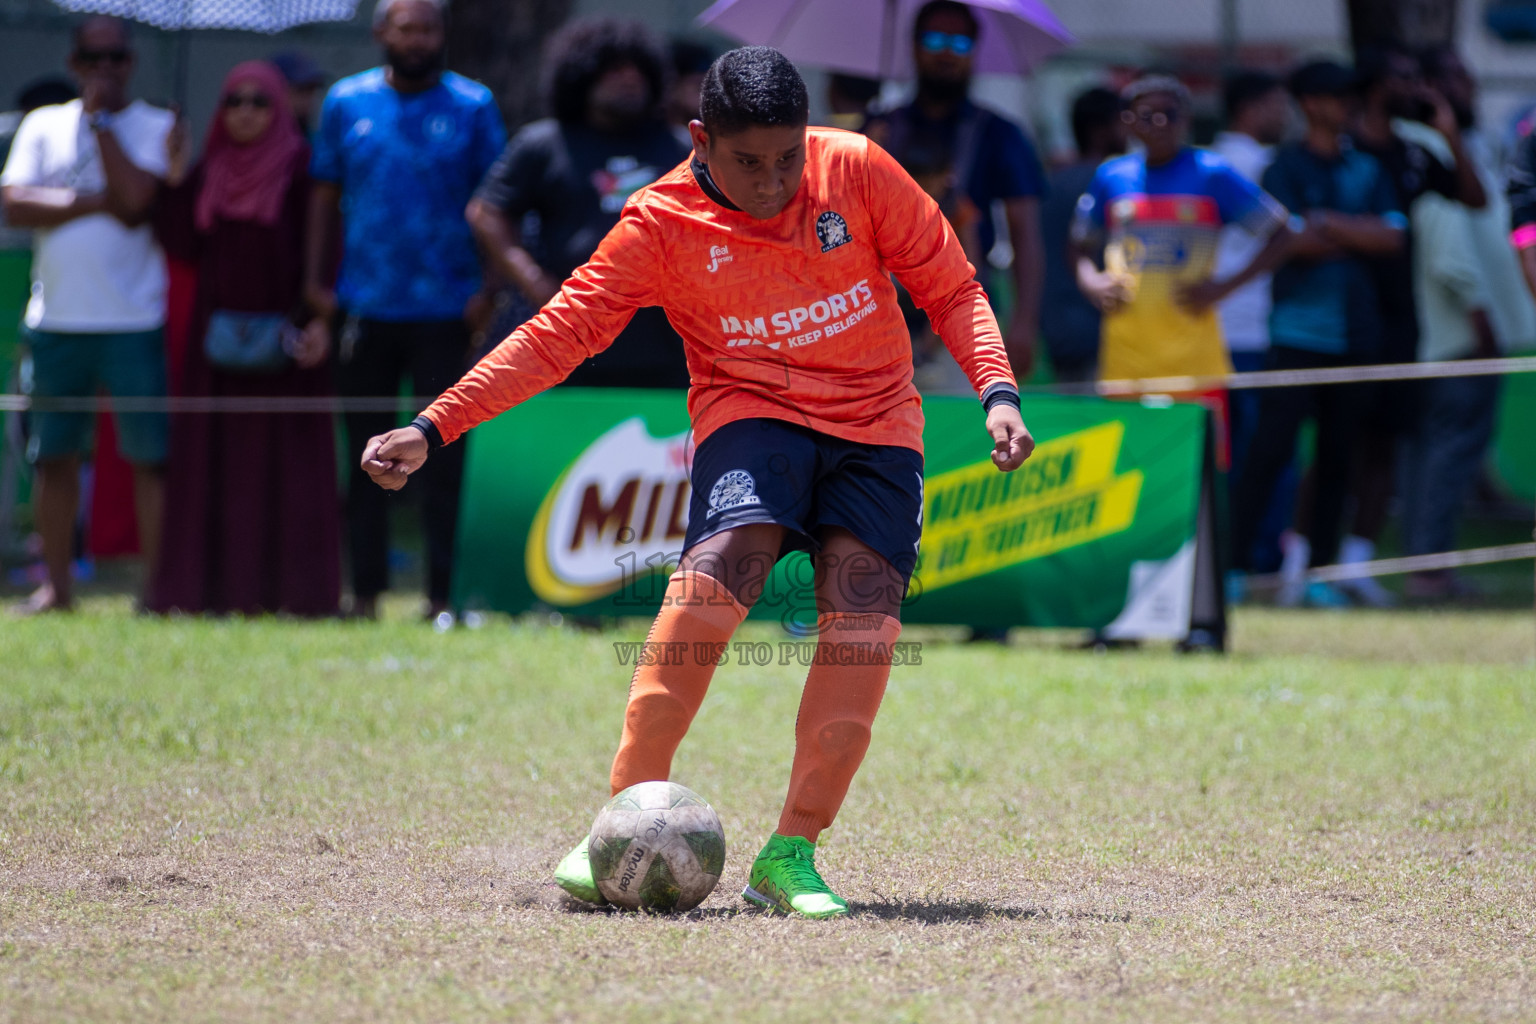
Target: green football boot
x: 574, y: 875
x: 784, y: 878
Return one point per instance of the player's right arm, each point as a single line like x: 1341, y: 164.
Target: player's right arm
x: 1106, y: 289
x: 583, y: 318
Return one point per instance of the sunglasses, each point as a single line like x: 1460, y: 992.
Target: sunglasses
x: 955, y: 43
x: 94, y: 57
x: 1155, y: 118
x: 257, y: 101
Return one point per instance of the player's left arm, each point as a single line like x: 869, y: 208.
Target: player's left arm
x: 917, y: 244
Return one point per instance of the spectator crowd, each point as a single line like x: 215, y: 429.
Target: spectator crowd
x: 375, y: 241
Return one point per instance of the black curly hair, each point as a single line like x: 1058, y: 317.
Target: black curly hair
x: 585, y: 50
x: 753, y: 85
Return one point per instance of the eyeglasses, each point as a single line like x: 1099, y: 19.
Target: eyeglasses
x: 956, y: 43
x: 93, y: 57
x: 1155, y: 118
x: 236, y: 101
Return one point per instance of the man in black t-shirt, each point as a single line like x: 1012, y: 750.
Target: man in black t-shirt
x: 560, y: 184
x: 1391, y: 88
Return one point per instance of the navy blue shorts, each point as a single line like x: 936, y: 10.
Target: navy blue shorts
x: 772, y: 471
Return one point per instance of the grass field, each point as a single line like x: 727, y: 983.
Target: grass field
x: 272, y: 821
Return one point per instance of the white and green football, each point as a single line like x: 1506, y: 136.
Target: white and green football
x: 657, y: 846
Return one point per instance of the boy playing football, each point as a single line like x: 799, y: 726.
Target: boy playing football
x: 771, y: 252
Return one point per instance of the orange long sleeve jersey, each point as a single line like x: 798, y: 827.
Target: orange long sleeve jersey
x: 791, y: 318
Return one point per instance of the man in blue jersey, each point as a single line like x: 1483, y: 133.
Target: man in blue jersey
x: 398, y: 155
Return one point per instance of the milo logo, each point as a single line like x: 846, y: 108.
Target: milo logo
x: 616, y: 514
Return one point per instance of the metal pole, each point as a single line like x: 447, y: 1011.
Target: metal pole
x: 1227, y: 36
x: 888, y: 41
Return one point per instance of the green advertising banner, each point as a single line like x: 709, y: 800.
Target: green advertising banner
x: 578, y: 501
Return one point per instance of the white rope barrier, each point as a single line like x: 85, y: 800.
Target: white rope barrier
x: 1296, y: 378
x: 1406, y: 564
x: 1105, y: 388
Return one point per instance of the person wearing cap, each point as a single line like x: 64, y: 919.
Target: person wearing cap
x: 1157, y: 215
x: 1324, y: 313
x: 305, y: 81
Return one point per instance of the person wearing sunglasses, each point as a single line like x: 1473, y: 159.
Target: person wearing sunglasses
x: 1158, y: 214
x: 991, y: 161
x: 266, y: 539
x: 84, y: 175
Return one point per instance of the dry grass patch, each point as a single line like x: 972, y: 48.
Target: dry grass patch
x: 271, y: 821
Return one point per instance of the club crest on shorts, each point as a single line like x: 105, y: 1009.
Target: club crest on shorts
x: 733, y: 490
x: 832, y: 230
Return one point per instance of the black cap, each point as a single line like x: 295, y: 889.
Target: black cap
x: 1322, y: 78
x: 299, y: 69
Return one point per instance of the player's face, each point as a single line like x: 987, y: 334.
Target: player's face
x: 1274, y: 111
x: 944, y: 51
x: 758, y: 169
x: 1157, y: 119
x: 413, y: 39
x: 103, y: 58
x: 1330, y: 113
x: 247, y: 113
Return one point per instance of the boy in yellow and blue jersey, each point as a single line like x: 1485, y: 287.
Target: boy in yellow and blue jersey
x: 1158, y: 214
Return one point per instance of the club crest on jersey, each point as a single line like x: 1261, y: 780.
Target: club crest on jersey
x: 832, y: 230
x: 734, y: 489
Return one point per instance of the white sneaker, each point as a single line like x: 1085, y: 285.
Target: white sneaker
x: 1368, y: 591
x: 1296, y: 552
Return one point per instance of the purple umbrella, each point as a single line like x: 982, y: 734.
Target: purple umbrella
x: 872, y: 37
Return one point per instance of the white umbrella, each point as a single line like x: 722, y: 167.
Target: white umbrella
x: 249, y: 15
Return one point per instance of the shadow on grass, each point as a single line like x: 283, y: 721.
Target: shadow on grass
x: 972, y: 912
x: 918, y: 911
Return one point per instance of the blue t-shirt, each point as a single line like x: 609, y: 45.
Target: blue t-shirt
x: 1329, y: 306
x: 407, y: 165
x: 1003, y: 162
x: 1159, y: 226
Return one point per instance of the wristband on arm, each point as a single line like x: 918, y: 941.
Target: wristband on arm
x: 429, y: 431
x: 1524, y: 236
x: 1000, y: 394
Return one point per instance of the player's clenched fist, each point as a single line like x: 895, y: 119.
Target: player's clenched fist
x: 390, y: 458
x: 1011, y: 442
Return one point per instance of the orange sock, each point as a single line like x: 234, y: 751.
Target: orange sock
x: 837, y: 710
x: 697, y: 616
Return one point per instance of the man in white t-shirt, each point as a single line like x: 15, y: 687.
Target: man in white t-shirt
x: 1258, y: 111
x: 84, y: 175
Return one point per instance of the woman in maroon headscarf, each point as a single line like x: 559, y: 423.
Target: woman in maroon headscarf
x: 252, y: 520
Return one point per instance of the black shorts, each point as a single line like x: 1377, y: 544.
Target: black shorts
x: 771, y: 471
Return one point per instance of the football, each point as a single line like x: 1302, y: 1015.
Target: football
x: 657, y: 846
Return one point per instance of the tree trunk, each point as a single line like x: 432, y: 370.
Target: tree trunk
x: 500, y: 43
x: 1414, y: 24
